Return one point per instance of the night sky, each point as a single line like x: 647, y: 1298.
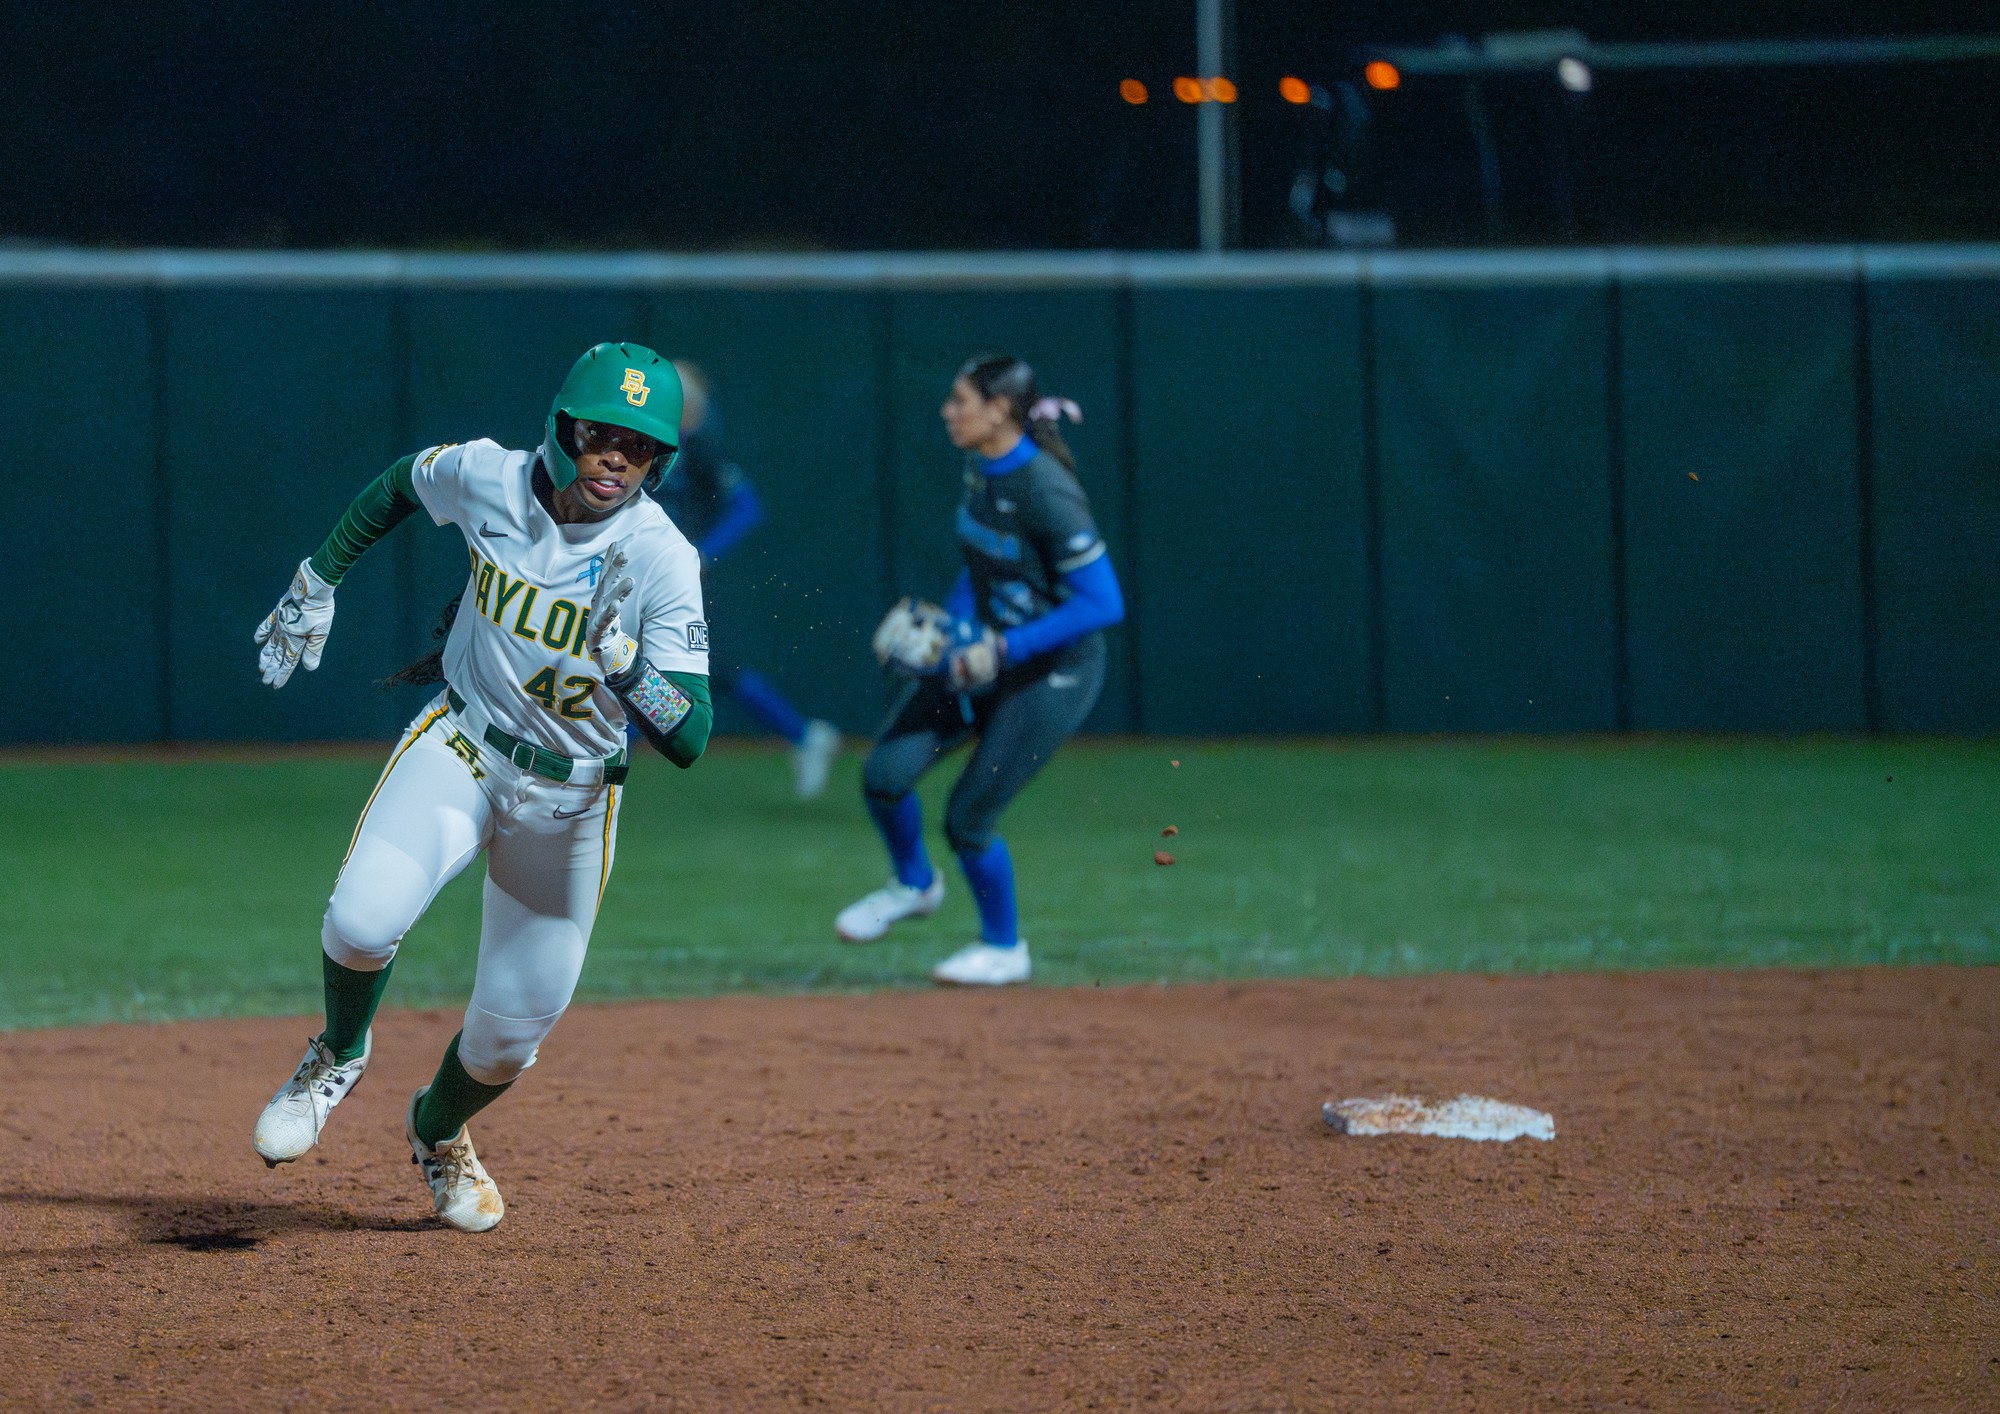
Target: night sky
x: 799, y: 126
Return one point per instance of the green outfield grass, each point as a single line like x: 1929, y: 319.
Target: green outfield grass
x: 172, y: 889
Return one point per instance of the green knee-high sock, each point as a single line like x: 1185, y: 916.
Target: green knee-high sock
x: 351, y: 999
x: 454, y: 1098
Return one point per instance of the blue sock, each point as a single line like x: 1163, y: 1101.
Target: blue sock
x: 901, y: 822
x: 991, y: 874
x: 768, y: 705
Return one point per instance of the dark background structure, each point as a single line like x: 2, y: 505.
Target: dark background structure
x: 1604, y: 486
x: 841, y: 125
x: 1749, y: 490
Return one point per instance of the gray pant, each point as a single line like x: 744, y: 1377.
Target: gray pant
x: 1030, y: 712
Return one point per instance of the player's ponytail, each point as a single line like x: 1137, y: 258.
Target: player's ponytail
x: 428, y: 670
x: 1045, y: 417
x: 1002, y: 376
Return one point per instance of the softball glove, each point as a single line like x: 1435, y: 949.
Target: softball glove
x: 913, y: 637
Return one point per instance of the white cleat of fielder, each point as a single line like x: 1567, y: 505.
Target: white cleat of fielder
x: 292, y: 1121
x: 813, y: 757
x: 461, y: 1191
x: 867, y: 919
x: 983, y: 965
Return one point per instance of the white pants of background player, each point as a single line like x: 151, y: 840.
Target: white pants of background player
x: 549, y: 847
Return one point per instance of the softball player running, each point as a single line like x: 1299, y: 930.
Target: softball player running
x: 581, y: 613
x: 1015, y: 659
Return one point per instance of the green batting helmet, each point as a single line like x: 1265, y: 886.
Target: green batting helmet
x: 626, y: 385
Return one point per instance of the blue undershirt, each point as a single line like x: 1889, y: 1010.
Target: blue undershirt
x: 1095, y: 601
x: 959, y: 603
x: 740, y: 515
x: 1014, y: 459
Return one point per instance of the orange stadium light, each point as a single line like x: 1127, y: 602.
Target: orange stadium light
x: 1187, y: 90
x: 1132, y: 91
x: 1382, y: 74
x: 1294, y: 90
x: 1220, y: 89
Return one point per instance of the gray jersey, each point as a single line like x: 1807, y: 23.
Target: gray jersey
x: 1021, y: 532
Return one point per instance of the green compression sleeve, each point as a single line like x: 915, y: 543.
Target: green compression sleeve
x: 690, y: 738
x: 379, y: 509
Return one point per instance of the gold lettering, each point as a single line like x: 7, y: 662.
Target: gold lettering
x: 556, y: 637
x: 504, y: 592
x: 521, y: 629
x: 467, y: 752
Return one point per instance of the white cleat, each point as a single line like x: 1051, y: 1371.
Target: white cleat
x: 983, y: 965
x: 461, y: 1191
x: 867, y: 919
x: 291, y: 1123
x: 813, y: 757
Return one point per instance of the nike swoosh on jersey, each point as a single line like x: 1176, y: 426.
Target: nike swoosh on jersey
x: 486, y: 529
x: 562, y: 814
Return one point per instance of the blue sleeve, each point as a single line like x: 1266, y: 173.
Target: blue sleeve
x: 1095, y: 602
x: 960, y: 603
x: 740, y: 515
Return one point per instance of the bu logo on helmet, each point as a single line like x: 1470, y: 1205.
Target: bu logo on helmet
x: 634, y: 388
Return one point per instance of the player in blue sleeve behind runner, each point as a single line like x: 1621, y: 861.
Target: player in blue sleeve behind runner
x: 714, y: 504
x: 1015, y: 659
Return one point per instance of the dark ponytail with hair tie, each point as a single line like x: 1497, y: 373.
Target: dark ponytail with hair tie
x: 1002, y: 376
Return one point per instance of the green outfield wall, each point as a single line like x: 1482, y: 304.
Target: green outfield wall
x: 1585, y: 490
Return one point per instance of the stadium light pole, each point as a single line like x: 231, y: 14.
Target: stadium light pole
x: 1215, y: 126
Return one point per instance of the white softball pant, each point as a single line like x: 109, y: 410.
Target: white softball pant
x: 441, y: 800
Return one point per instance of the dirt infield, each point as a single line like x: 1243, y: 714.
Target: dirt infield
x: 1766, y: 1190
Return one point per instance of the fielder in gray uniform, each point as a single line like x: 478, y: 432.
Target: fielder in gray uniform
x: 1014, y: 661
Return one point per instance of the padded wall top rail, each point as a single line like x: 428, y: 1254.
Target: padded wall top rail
x: 1053, y: 269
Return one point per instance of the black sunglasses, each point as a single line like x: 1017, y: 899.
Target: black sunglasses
x: 609, y: 436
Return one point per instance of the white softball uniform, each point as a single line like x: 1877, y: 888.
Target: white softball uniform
x: 520, y: 652
x: 515, y: 660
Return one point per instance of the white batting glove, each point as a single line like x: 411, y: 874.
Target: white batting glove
x: 976, y: 664
x: 295, y: 632
x: 613, y: 649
